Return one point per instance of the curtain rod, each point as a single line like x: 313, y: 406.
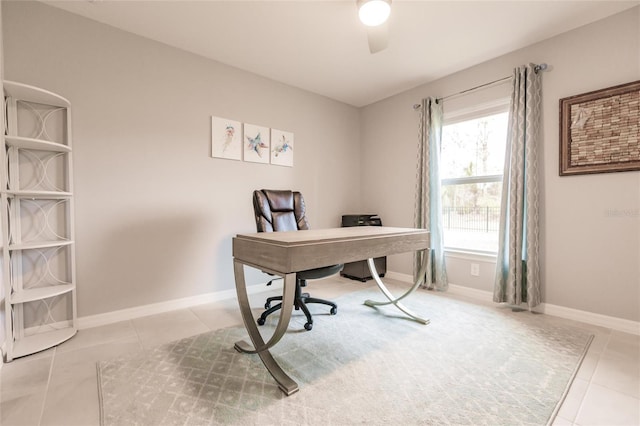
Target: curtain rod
x: 537, y: 68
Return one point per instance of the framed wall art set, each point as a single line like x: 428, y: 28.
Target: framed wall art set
x: 234, y: 140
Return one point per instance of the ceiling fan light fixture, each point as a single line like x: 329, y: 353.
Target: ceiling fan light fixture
x: 374, y: 12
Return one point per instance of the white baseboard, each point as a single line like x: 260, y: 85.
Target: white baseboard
x: 473, y: 293
x: 614, y: 323
x: 453, y: 288
x: 405, y: 278
x: 156, y: 308
x: 170, y: 305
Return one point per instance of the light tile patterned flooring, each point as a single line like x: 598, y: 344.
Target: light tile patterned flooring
x: 59, y: 387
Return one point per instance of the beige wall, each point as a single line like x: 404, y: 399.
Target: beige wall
x: 590, y: 257
x: 155, y: 214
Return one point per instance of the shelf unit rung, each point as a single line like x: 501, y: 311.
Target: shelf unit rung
x: 37, y: 144
x: 24, y: 92
x: 33, y: 294
x: 39, y: 244
x: 45, y: 195
x: 41, y: 341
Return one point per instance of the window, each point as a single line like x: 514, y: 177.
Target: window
x: 472, y: 163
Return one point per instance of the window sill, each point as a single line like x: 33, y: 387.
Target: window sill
x: 477, y: 256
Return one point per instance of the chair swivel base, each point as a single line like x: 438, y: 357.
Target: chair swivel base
x: 300, y: 302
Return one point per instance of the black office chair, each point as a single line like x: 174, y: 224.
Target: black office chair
x: 283, y: 210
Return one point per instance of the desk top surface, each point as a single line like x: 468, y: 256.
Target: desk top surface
x: 286, y: 252
x: 292, y: 238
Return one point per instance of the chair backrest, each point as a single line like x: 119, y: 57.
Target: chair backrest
x: 279, y: 210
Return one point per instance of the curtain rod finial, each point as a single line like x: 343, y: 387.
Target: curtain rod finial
x: 541, y: 67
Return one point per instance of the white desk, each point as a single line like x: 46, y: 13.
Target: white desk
x: 285, y: 253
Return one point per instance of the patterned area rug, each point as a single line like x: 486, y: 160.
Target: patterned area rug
x: 472, y: 365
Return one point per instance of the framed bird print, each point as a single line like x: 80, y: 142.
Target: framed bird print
x: 226, y: 138
x: 281, y: 148
x: 256, y: 143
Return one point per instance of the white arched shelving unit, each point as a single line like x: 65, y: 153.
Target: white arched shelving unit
x: 36, y: 205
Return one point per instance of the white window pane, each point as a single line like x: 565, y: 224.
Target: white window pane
x: 474, y: 147
x: 471, y: 216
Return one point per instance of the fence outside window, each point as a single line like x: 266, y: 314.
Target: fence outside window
x: 472, y: 219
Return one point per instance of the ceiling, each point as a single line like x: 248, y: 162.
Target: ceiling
x: 320, y: 45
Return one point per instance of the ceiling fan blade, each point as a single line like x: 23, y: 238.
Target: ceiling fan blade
x: 378, y: 37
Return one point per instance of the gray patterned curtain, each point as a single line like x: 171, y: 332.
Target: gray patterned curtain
x: 517, y: 268
x: 428, y: 208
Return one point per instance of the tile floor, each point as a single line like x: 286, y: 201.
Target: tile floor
x: 59, y: 387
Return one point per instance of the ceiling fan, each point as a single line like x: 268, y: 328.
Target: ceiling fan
x: 374, y: 15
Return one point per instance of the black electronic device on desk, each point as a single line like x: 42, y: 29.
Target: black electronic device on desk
x: 360, y: 270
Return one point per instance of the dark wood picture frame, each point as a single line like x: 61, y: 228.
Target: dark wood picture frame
x: 600, y: 131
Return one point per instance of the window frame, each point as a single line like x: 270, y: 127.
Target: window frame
x: 485, y: 109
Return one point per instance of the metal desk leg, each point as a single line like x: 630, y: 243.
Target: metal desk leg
x: 285, y: 383
x: 396, y: 301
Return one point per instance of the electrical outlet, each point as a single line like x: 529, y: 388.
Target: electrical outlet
x: 475, y: 269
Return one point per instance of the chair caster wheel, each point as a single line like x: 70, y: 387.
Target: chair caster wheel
x: 260, y: 321
x: 333, y: 311
x: 308, y: 326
